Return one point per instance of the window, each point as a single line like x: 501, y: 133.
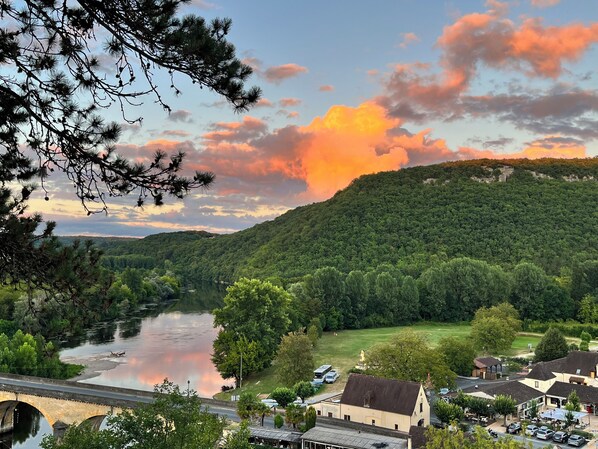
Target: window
x: 537, y: 384
x: 373, y: 422
x: 396, y: 427
x: 421, y: 407
x: 330, y: 414
x: 319, y: 412
x: 347, y: 418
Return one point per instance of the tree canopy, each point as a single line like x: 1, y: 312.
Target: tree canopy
x: 552, y: 346
x: 54, y: 88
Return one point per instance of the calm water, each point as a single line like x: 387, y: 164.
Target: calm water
x: 173, y: 341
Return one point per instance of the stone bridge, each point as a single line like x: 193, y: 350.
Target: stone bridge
x: 64, y: 403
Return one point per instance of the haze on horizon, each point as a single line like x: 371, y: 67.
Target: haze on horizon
x: 351, y: 88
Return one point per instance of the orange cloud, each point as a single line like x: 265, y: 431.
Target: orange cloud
x: 276, y: 74
x: 326, y: 88
x: 408, y: 38
x: 287, y: 102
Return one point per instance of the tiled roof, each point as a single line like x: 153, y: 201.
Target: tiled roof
x: 389, y: 395
x: 586, y: 393
x: 580, y: 363
x: 485, y: 362
x: 517, y: 390
x: 541, y: 372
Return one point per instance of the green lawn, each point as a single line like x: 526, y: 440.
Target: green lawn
x: 341, y: 350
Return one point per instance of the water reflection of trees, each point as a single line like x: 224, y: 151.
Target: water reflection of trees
x: 130, y: 327
x: 195, y: 298
x: 28, y: 424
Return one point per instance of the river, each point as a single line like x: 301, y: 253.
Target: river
x: 171, y: 341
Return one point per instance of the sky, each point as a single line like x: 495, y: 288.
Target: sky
x: 353, y: 88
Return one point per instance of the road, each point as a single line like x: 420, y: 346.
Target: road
x: 91, y: 391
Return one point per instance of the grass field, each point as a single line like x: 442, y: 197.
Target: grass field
x: 342, y: 350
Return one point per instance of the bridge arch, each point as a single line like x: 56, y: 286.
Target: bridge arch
x: 60, y: 413
x: 95, y: 421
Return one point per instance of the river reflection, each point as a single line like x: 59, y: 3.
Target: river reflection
x: 174, y: 343
x: 30, y: 428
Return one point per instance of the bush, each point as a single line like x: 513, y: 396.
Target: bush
x: 278, y: 421
x: 586, y: 435
x: 568, y: 328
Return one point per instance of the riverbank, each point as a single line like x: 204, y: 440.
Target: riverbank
x: 94, y: 365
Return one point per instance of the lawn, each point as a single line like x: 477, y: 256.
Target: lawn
x: 342, y: 350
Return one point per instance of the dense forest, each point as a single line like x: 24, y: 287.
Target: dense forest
x: 499, y: 211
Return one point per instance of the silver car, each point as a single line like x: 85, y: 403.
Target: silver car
x: 576, y: 440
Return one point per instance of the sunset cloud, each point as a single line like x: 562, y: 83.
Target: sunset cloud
x: 276, y: 74
x: 326, y: 88
x: 289, y: 102
x: 408, y: 38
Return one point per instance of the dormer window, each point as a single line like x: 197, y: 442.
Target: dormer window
x: 578, y: 371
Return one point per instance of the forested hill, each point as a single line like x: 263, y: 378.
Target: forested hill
x: 502, y: 211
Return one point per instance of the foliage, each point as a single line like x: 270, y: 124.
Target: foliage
x: 239, y: 438
x: 585, y: 336
x: 447, y: 412
x: 255, y: 313
x: 573, y: 403
x: 408, y: 356
x: 533, y: 409
x: 174, y: 419
x: 294, y: 360
x: 52, y: 90
x: 33, y: 356
x: 567, y: 328
x: 250, y: 407
x: 396, y: 218
x: 505, y: 405
x: 284, y: 396
x: 294, y: 415
x: 452, y: 438
x: 552, y: 346
x: 458, y: 354
x: 494, y: 329
x: 310, y: 418
x: 303, y: 389
x: 278, y: 421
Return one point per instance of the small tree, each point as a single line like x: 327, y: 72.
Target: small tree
x: 573, y: 402
x: 313, y: 335
x: 278, y: 421
x: 294, y: 359
x: 569, y: 418
x: 310, y: 418
x: 552, y: 346
x: 284, y: 396
x: 533, y: 409
x: 505, y: 405
x: 303, y: 389
x: 294, y: 415
x: 447, y: 413
x: 249, y: 406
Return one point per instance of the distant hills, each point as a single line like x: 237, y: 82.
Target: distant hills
x: 501, y: 211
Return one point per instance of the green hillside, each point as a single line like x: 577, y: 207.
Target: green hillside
x: 544, y: 211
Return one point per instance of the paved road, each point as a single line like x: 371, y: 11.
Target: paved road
x: 91, y: 391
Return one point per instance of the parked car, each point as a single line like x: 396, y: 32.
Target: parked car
x: 270, y: 403
x: 576, y: 440
x: 492, y: 433
x: 317, y: 383
x: 331, y: 377
x: 560, y: 437
x: 514, y: 427
x: 531, y: 430
x: 544, y: 434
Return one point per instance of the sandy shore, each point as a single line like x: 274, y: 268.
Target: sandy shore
x: 94, y: 364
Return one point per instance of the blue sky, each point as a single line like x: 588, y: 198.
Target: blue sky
x: 351, y: 88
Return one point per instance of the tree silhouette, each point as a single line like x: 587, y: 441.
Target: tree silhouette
x: 53, y: 89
